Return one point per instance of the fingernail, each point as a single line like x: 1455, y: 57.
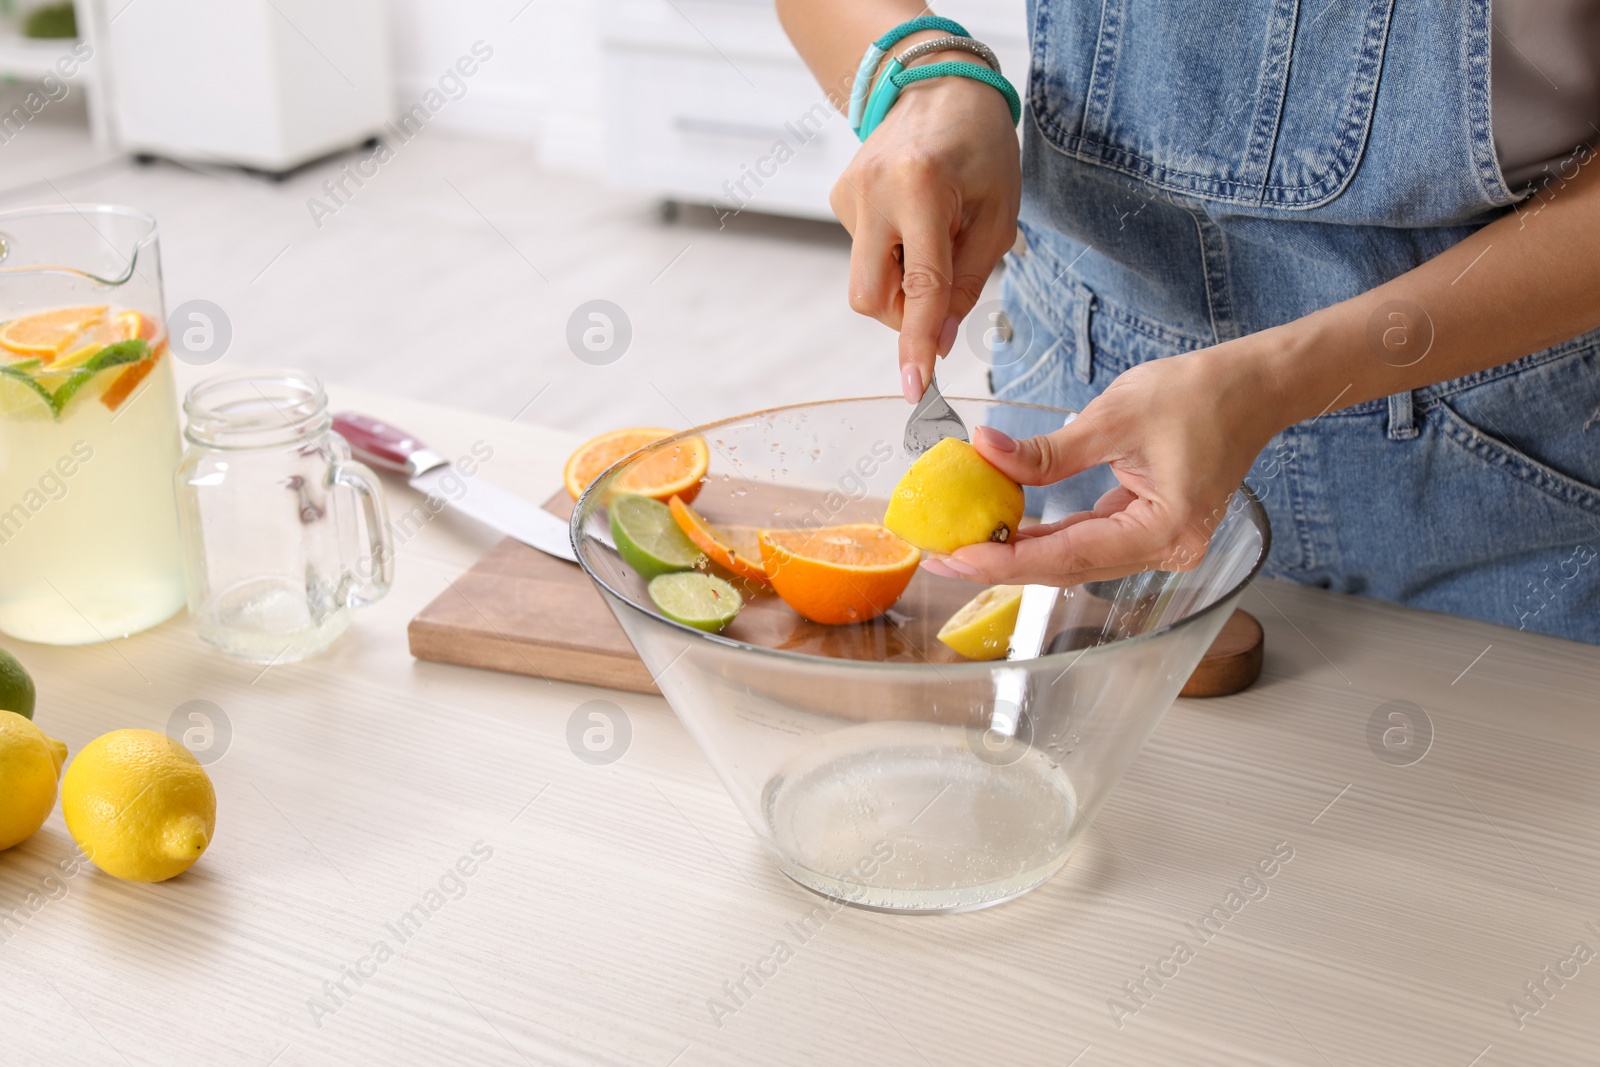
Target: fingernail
x: 911, y: 382
x: 959, y: 567
x: 998, y: 440
x: 947, y: 336
x: 934, y: 566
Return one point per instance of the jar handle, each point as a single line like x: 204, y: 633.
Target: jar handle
x: 358, y: 478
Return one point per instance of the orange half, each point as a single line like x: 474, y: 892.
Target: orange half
x: 839, y: 574
x: 737, y: 548
x: 46, y: 333
x: 674, y: 471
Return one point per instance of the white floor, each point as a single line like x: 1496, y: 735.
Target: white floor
x: 451, y: 275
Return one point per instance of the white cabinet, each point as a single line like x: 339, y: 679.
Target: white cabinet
x: 707, y: 102
x: 269, y: 84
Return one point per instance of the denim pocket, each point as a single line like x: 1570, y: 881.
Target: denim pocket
x: 1531, y: 531
x: 1054, y: 367
x: 1247, y: 102
x: 1055, y: 372
x: 1512, y: 463
x: 1537, y: 419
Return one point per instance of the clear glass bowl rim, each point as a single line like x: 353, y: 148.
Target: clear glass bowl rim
x: 975, y: 668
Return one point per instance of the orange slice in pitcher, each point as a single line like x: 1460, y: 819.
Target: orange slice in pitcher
x: 46, y: 333
x: 126, y: 382
x: 738, y: 548
x: 125, y: 326
x: 839, y: 574
x: 672, y: 472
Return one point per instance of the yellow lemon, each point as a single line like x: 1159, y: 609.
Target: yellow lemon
x: 982, y: 628
x: 30, y: 763
x: 953, y: 497
x: 139, y: 805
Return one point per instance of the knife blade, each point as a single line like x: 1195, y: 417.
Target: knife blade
x: 387, y: 447
x: 1012, y: 693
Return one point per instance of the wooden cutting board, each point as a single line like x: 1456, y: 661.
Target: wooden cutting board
x: 521, y: 611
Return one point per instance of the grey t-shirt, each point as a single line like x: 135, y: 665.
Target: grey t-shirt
x: 1544, y: 67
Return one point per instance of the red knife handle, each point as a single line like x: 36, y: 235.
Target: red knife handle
x: 377, y: 443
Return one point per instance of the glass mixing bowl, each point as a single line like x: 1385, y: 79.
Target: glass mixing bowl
x: 877, y: 766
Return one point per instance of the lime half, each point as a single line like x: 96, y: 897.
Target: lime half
x: 703, y: 601
x: 648, y: 537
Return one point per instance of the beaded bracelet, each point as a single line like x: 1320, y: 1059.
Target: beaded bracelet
x: 880, y: 48
x: 887, y: 91
x: 949, y: 44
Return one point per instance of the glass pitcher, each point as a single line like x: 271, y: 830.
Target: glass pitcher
x: 273, y: 508
x: 89, y: 546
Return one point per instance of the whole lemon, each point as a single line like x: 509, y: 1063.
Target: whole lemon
x: 952, y: 497
x: 30, y: 763
x: 139, y: 805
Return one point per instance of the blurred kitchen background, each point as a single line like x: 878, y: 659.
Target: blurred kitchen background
x: 425, y: 196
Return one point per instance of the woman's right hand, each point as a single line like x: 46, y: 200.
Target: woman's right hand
x: 931, y: 203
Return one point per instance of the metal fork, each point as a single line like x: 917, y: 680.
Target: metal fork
x: 931, y: 421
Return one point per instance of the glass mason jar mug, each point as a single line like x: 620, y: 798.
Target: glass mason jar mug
x: 273, y: 510
x: 89, y: 545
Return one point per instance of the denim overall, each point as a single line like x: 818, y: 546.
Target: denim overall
x: 1197, y: 170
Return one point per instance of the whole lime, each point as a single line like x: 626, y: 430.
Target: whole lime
x: 16, y: 687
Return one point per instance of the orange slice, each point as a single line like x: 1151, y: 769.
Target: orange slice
x: 125, y: 326
x: 123, y: 385
x: 674, y: 471
x: 46, y: 333
x: 839, y: 574
x: 738, y: 548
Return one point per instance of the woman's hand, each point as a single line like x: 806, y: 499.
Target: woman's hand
x: 1180, y: 435
x: 931, y: 200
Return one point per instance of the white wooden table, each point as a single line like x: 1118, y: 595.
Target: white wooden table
x: 607, y: 905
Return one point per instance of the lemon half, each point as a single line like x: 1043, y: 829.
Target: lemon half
x: 982, y: 628
x: 952, y: 497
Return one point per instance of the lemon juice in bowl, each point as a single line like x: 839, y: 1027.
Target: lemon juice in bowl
x: 89, y: 545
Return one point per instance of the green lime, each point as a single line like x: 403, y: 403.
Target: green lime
x: 703, y: 601
x: 649, y: 538
x: 16, y: 688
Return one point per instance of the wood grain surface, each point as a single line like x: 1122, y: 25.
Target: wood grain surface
x: 610, y: 909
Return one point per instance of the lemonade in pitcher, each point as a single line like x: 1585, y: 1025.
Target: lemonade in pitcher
x: 89, y: 546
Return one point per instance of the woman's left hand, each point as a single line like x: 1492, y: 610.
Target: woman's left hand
x: 1179, y: 433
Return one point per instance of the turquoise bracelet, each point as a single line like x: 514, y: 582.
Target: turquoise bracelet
x: 880, y: 48
x: 887, y: 91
